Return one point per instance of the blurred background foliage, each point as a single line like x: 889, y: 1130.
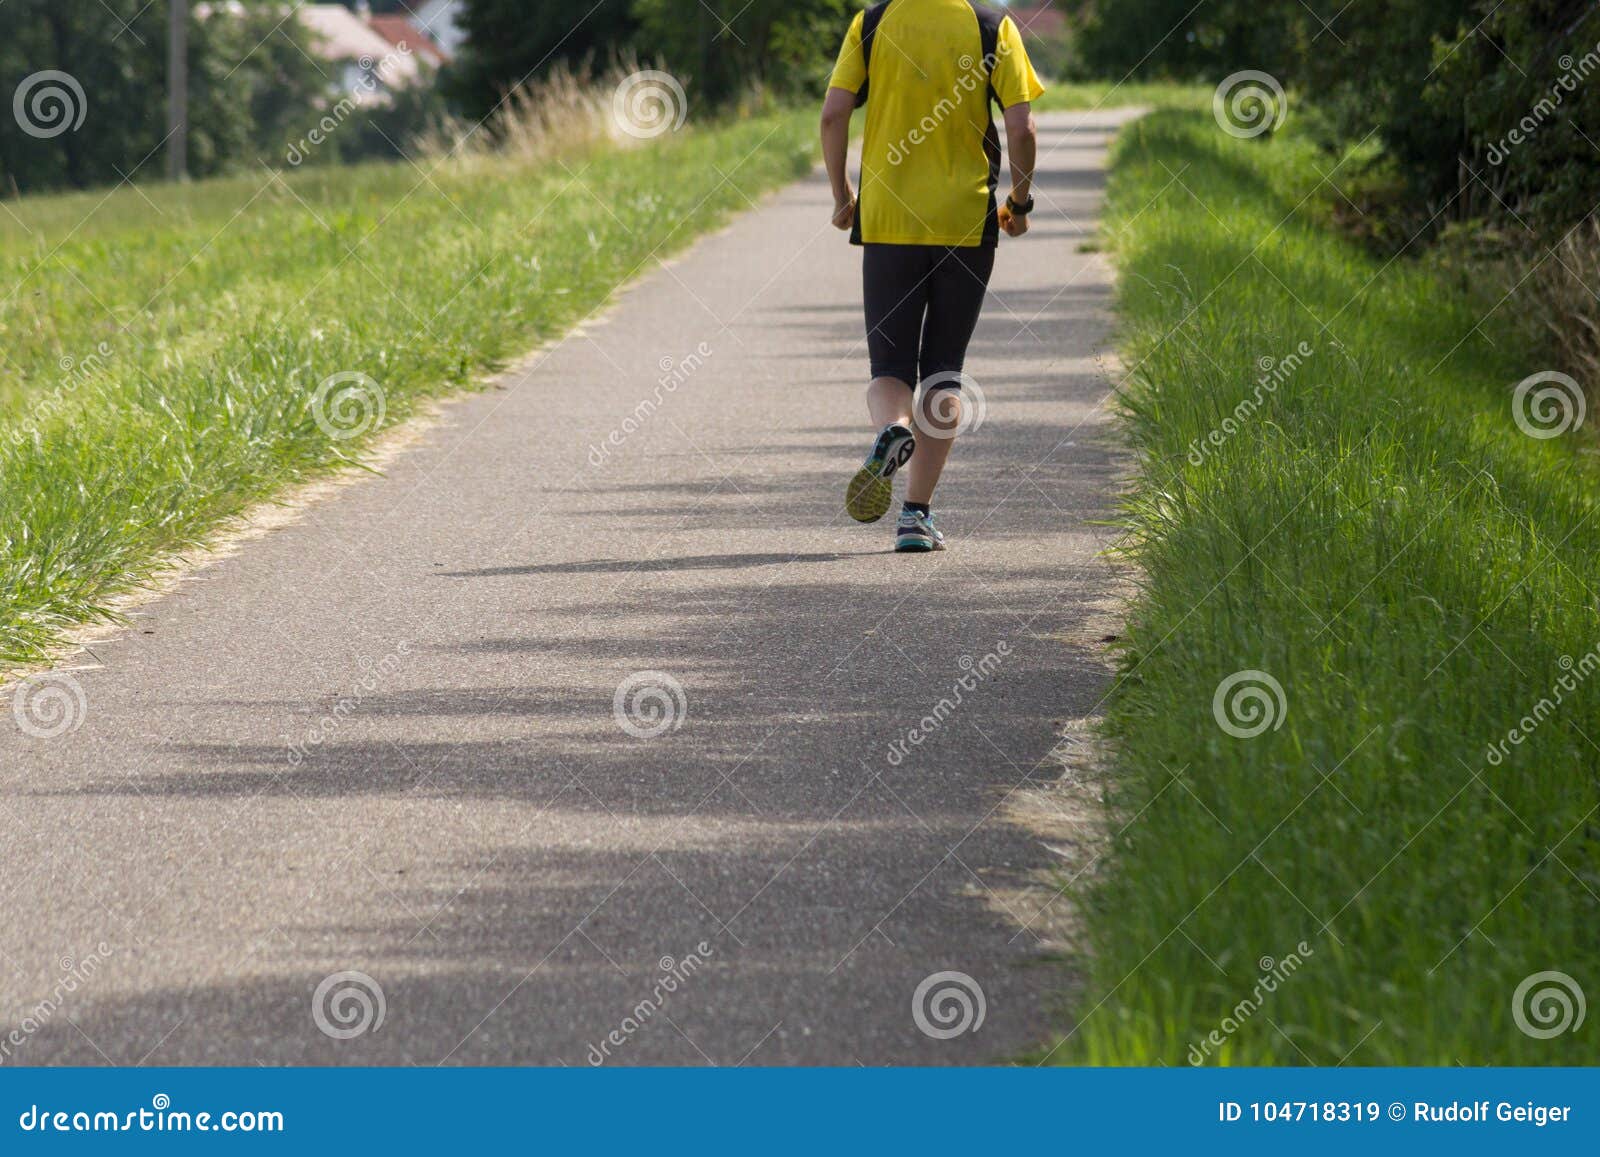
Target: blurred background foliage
x: 1438, y: 112
x: 1439, y: 85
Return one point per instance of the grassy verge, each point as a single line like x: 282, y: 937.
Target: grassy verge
x: 1335, y: 498
x: 166, y: 349
x: 1086, y: 97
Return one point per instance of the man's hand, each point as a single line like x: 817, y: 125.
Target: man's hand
x: 844, y: 211
x: 1014, y: 225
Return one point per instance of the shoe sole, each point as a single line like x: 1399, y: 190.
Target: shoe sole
x: 871, y: 488
x: 915, y: 545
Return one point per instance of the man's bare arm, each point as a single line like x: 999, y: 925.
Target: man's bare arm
x: 836, y: 109
x: 1022, y: 145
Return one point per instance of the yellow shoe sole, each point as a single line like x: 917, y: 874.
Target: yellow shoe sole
x: 871, y: 489
x: 867, y: 497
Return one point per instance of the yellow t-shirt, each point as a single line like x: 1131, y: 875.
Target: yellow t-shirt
x: 930, y: 156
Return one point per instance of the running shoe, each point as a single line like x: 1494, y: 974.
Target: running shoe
x: 916, y: 532
x: 869, y: 493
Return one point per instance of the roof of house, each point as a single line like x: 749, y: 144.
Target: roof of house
x: 403, y: 32
x: 342, y: 35
x: 1038, y: 19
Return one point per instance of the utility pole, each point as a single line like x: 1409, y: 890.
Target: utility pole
x: 178, y: 90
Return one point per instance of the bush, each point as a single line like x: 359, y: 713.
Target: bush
x: 1484, y: 108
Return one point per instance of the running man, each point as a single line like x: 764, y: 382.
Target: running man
x: 926, y: 219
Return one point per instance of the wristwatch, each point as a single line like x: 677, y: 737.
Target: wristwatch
x: 1019, y: 210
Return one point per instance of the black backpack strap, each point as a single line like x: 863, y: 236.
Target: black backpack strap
x: 989, y: 36
x: 869, y: 29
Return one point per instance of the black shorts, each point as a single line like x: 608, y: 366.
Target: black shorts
x: 922, y: 305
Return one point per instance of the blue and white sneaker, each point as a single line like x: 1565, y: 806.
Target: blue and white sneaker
x: 916, y: 532
x: 870, y: 491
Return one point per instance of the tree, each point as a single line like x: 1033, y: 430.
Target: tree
x: 721, y: 47
x: 101, y: 65
x: 1456, y: 90
x: 509, y: 41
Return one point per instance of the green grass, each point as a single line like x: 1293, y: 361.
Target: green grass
x: 1060, y: 96
x: 163, y: 346
x: 1414, y: 571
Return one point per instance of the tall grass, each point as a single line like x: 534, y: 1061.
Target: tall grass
x: 1371, y: 878
x: 163, y: 347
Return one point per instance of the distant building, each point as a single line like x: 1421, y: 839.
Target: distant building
x: 1042, y: 20
x: 403, y: 32
x: 368, y: 66
x: 440, y: 19
x: 359, y: 62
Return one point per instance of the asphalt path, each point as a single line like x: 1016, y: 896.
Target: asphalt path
x: 584, y: 731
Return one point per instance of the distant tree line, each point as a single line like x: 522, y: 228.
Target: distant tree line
x: 256, y: 86
x: 716, y: 48
x: 249, y: 90
x: 1508, y: 90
